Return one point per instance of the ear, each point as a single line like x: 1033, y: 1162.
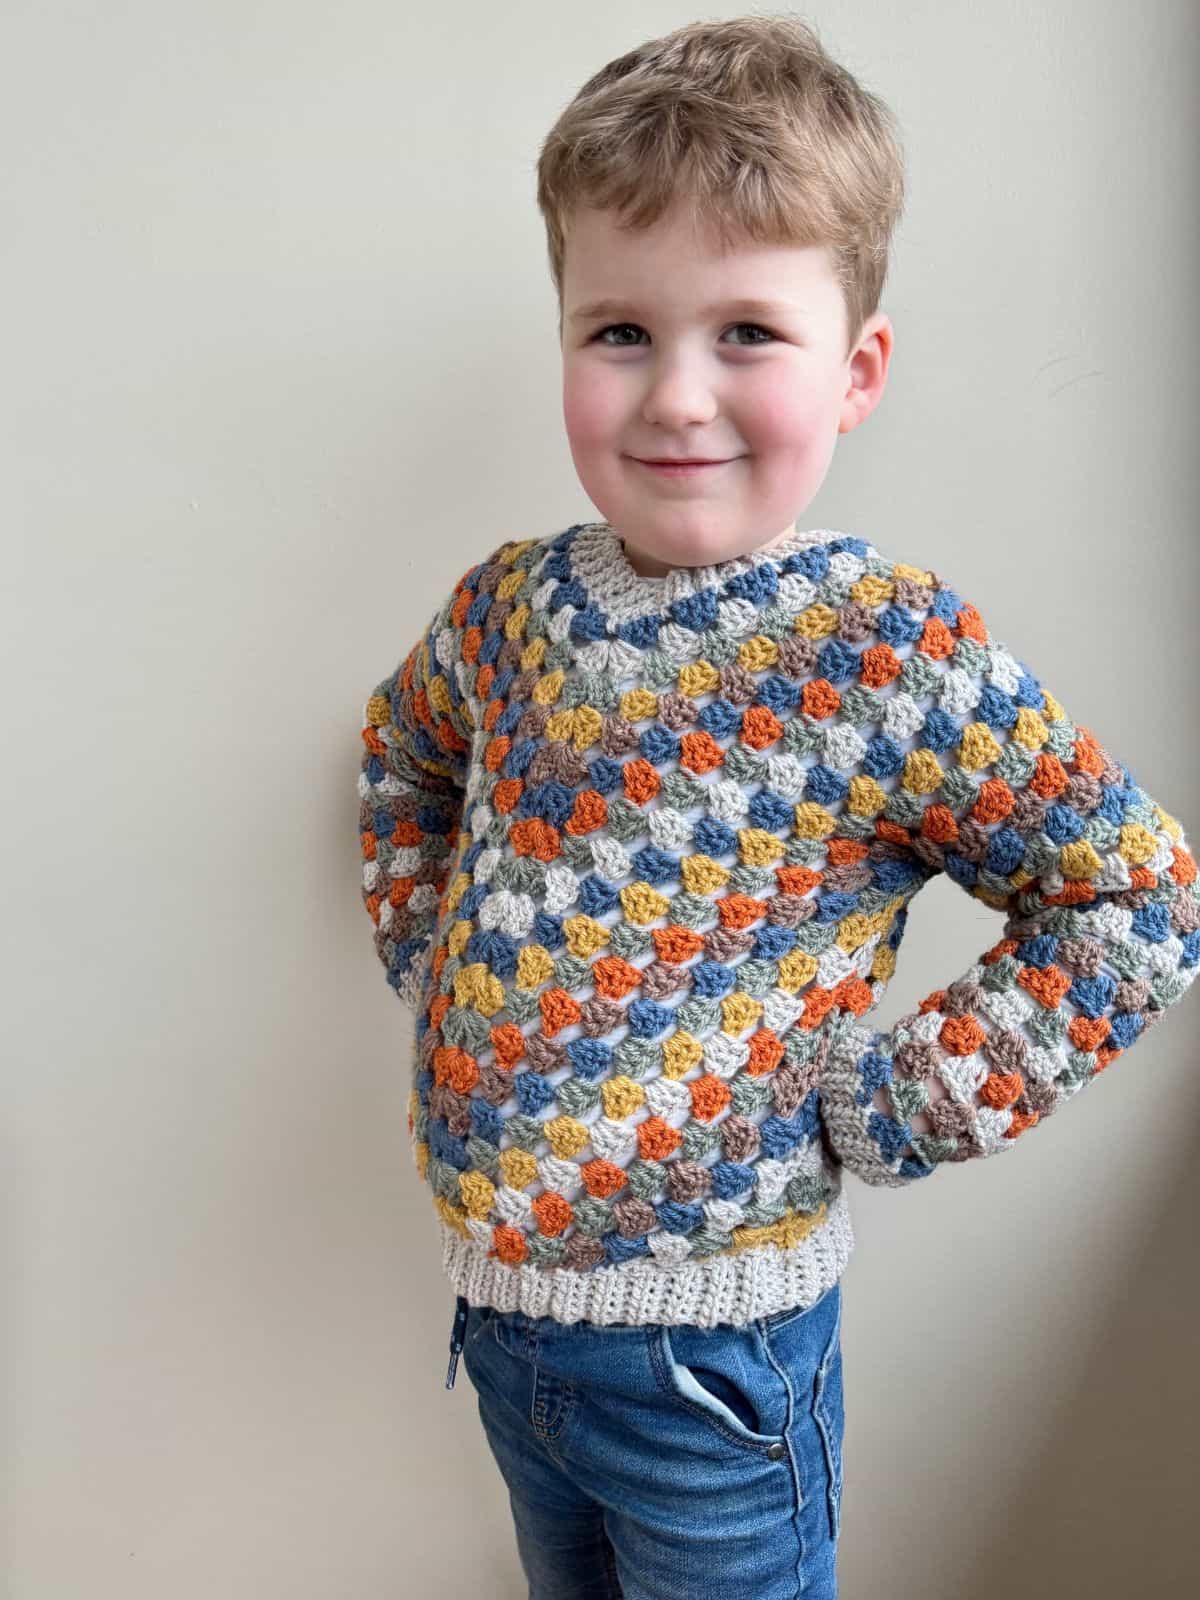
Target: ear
x: 866, y: 370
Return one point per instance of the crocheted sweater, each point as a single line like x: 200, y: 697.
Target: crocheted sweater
x: 639, y: 854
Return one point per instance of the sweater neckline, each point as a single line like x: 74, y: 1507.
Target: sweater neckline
x: 598, y: 561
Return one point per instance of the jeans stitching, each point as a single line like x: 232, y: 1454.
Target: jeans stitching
x: 826, y: 1422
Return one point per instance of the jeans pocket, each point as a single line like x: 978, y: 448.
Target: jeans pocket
x: 724, y: 1379
x: 829, y: 1410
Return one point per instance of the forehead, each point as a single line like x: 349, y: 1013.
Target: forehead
x: 673, y: 262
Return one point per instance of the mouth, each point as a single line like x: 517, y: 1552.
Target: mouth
x: 682, y: 469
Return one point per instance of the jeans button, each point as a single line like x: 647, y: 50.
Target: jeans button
x: 775, y: 1451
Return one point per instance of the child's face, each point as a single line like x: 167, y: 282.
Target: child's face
x: 658, y: 375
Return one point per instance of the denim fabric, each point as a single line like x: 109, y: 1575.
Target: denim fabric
x: 658, y: 1462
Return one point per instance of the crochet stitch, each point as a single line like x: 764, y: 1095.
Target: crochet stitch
x: 639, y: 854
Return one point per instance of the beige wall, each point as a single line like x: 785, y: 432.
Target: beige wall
x: 279, y: 365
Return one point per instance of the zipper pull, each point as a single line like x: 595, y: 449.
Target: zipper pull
x: 456, y: 1337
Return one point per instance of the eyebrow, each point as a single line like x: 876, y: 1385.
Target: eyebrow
x: 754, y: 308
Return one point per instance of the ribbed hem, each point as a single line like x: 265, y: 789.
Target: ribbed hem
x: 715, y: 1289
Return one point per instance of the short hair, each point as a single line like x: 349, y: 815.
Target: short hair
x: 751, y: 123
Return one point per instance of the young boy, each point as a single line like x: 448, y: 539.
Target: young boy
x: 642, y: 813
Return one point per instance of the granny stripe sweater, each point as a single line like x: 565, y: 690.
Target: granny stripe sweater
x: 639, y: 854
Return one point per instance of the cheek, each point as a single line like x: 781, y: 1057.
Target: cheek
x: 591, y: 410
x: 786, y: 416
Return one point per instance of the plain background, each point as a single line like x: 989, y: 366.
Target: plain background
x: 280, y: 364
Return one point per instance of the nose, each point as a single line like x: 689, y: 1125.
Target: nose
x: 678, y: 397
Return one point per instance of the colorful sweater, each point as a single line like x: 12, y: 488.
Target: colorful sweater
x: 639, y: 854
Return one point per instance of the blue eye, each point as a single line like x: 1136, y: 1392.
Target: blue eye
x: 620, y: 326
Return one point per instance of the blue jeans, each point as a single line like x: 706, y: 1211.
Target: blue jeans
x: 654, y: 1462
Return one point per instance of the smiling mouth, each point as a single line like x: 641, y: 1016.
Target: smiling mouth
x: 682, y: 467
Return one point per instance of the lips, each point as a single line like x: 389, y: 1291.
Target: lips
x: 681, y: 469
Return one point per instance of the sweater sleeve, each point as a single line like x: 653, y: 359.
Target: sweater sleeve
x: 975, y: 770
x: 417, y: 730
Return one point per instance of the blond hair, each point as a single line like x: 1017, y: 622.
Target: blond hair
x: 754, y: 126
